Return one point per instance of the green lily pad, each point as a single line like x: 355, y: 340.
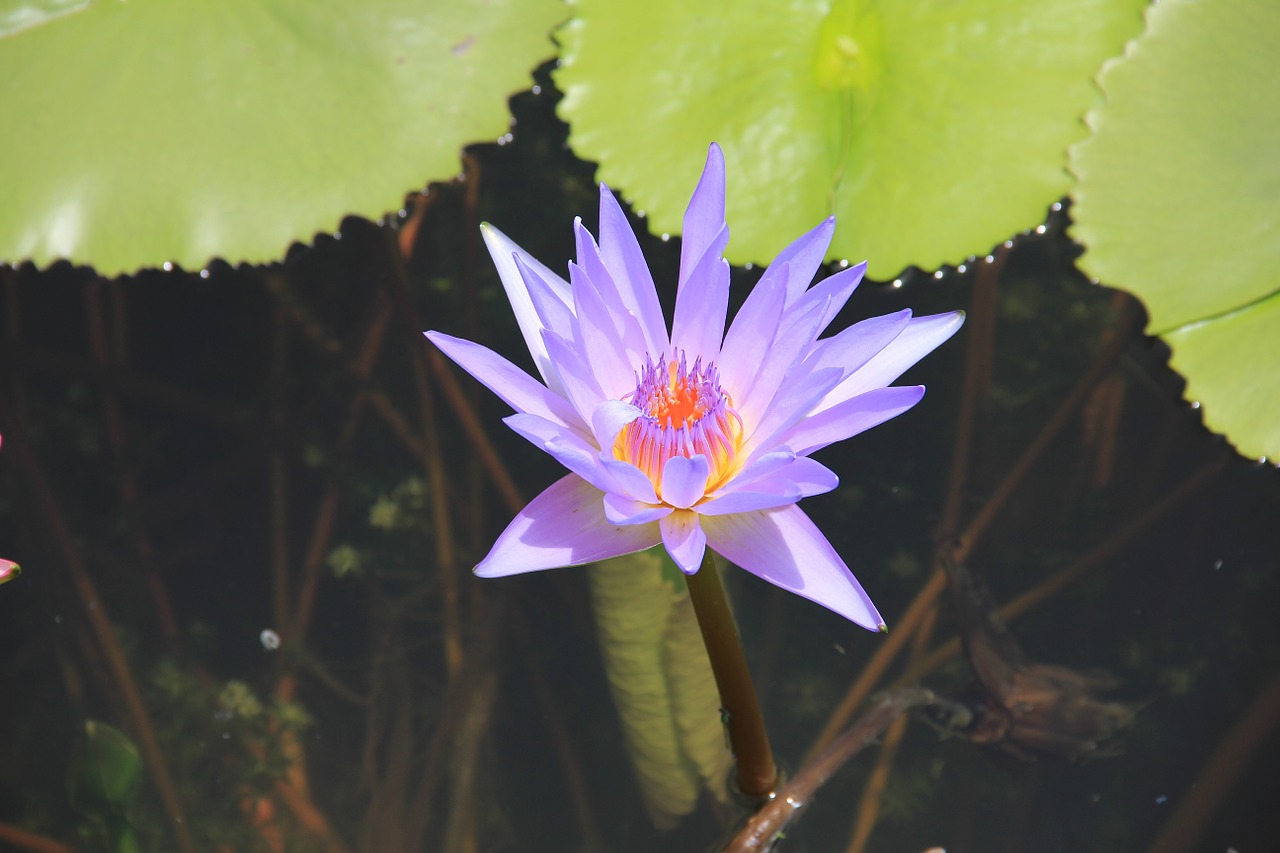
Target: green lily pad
x: 932, y: 129
x: 147, y: 132
x: 1177, y: 202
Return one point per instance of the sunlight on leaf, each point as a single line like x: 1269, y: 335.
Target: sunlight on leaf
x: 933, y: 130
x: 1177, y: 203
x: 144, y: 132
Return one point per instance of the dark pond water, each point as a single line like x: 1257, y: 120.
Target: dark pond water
x: 191, y: 461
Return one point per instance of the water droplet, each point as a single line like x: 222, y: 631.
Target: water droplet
x: 1195, y: 404
x: 991, y: 259
x: 749, y: 266
x: 938, y: 275
x: 897, y: 282
x: 402, y: 213
x: 537, y: 90
x: 665, y: 237
x: 1056, y: 206
x: 960, y: 269
x: 270, y: 639
x: 1040, y: 229
x: 337, y: 235
x: 1217, y: 565
x: 1008, y: 244
x: 204, y: 273
x: 167, y: 266
x: 640, y: 214
x: 844, y: 263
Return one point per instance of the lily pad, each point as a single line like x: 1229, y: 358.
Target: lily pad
x: 931, y: 129
x: 147, y: 132
x: 1177, y: 202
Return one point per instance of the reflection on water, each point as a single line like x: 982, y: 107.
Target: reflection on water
x: 245, y: 505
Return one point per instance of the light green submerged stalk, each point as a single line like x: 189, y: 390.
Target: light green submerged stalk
x: 661, y: 682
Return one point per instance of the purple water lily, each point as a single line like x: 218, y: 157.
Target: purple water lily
x: 695, y: 438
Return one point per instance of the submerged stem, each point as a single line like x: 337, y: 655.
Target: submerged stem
x: 757, y: 773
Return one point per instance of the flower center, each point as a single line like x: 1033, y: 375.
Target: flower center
x: 686, y: 413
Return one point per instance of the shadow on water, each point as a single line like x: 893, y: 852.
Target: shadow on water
x: 191, y: 461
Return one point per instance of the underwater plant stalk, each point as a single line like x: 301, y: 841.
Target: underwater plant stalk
x: 757, y: 772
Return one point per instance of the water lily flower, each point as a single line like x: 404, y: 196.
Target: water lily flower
x: 693, y: 438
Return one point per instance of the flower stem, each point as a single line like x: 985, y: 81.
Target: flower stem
x: 757, y: 773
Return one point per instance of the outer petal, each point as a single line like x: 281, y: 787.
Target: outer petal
x: 704, y: 218
x: 552, y: 312
x: 504, y: 252
x: 853, y: 347
x: 921, y: 336
x: 800, y: 478
x: 622, y: 511
x: 851, y: 417
x: 802, y: 259
x: 566, y: 447
x: 580, y: 384
x: 701, y: 305
x: 795, y: 335
x: 784, y: 547
x: 621, y: 254
x: 598, y: 339
x: 753, y: 329
x: 517, y: 389
x: 836, y: 288
x: 683, y: 537
x: 563, y: 526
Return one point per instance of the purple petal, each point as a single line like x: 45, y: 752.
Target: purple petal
x: 836, y: 288
x: 921, y: 336
x: 798, y: 263
x: 704, y: 218
x: 621, y: 254
x: 563, y: 526
x: 783, y: 547
x: 683, y: 537
x: 580, y: 384
x: 517, y: 389
x: 701, y: 306
x: 553, y: 313
x: 853, y: 347
x: 684, y: 480
x: 765, y: 465
x: 847, y: 419
x: 633, y: 338
x: 632, y: 482
x: 801, y: 478
x: 795, y: 335
x: 795, y: 399
x: 753, y: 330
x: 566, y: 447
x: 608, y: 420
x: 598, y: 338
x: 623, y: 511
x: 504, y: 252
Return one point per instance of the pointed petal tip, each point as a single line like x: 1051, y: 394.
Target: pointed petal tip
x: 882, y: 628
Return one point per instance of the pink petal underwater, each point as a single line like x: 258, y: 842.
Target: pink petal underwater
x: 783, y: 547
x: 563, y: 526
x: 517, y: 389
x: 684, y: 540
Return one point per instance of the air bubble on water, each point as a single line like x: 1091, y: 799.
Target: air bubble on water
x: 270, y: 639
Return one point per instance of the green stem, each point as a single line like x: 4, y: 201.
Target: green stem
x: 757, y: 774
